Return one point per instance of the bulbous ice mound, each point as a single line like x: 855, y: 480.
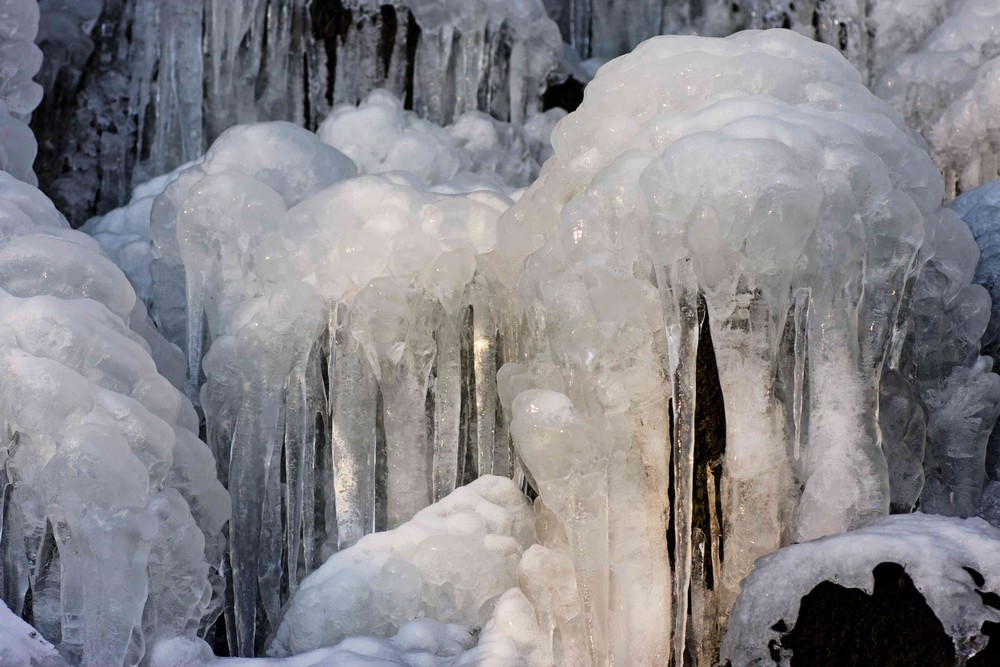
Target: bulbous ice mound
x: 449, y: 563
x: 948, y: 89
x: 954, y: 563
x: 756, y: 173
x: 475, y: 152
x: 111, y: 488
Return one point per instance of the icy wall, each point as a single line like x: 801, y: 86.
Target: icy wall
x: 368, y: 312
x: 137, y: 87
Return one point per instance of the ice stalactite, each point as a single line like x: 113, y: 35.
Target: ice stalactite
x: 783, y: 206
x: 187, y: 71
x: 116, y: 500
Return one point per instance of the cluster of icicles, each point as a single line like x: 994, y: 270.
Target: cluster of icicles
x: 362, y: 341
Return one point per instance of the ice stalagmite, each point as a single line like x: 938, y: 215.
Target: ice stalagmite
x: 757, y: 174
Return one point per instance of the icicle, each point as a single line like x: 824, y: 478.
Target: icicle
x: 679, y: 296
x: 195, y: 281
x: 316, y: 409
x: 491, y: 440
x: 408, y: 486
x: 297, y: 419
x: 447, y: 406
x: 798, y: 383
x: 352, y: 433
x: 257, y: 430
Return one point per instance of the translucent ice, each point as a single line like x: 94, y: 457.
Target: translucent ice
x: 153, y: 84
x: 344, y: 327
x: 757, y: 175
x: 947, y: 88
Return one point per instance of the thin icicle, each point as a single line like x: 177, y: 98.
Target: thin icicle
x: 491, y: 440
x: 257, y: 432
x: 801, y: 317
x: 447, y: 406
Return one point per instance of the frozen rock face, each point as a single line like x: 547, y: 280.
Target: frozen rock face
x: 113, y: 513
x: 948, y: 89
x: 19, y: 94
x: 136, y: 88
x: 757, y: 175
x: 953, y: 563
x: 450, y: 563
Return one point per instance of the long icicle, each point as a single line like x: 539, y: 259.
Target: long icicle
x: 447, y: 405
x: 679, y: 296
x: 353, y: 395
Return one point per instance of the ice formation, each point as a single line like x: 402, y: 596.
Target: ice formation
x: 604, y: 29
x: 954, y: 564
x: 346, y: 329
x: 345, y: 300
x: 115, y: 512
x: 948, y: 89
x: 19, y: 94
x: 162, y: 83
x: 758, y: 174
x: 475, y: 152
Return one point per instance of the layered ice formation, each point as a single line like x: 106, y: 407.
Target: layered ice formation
x: 948, y: 88
x: 112, y: 510
x: 374, y: 314
x: 347, y: 331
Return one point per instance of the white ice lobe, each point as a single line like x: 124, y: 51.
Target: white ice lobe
x: 116, y: 511
x: 758, y: 174
x: 450, y: 563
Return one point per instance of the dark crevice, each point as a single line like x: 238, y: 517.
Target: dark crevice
x: 566, y: 95
x: 892, y: 627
